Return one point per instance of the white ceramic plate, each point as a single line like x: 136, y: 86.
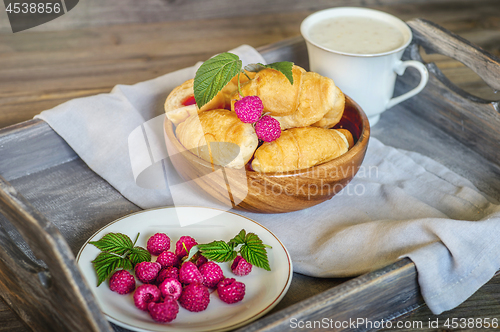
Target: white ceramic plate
x: 264, y: 289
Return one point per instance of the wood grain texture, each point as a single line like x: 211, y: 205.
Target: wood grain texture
x: 51, y: 293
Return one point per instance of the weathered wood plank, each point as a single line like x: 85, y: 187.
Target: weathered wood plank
x: 392, y: 292
x: 48, y: 296
x: 108, y: 12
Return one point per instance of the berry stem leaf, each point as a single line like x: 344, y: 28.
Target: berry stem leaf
x: 138, y: 255
x: 117, y: 243
x: 192, y: 252
x: 240, y: 238
x: 106, y: 263
x: 284, y: 67
x: 254, y: 251
x: 213, y: 75
x: 218, y: 251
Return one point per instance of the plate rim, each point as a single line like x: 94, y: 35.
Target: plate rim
x: 227, y: 328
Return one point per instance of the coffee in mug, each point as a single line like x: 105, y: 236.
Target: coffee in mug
x: 361, y: 50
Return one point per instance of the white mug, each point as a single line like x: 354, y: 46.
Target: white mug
x: 367, y: 78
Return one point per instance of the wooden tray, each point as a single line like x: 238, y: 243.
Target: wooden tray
x: 53, y: 202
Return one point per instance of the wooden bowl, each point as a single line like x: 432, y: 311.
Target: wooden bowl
x: 247, y: 190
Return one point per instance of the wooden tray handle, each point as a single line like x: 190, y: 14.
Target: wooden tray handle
x: 436, y: 39
x: 50, y: 295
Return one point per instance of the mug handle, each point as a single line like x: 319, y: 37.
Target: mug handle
x: 400, y: 69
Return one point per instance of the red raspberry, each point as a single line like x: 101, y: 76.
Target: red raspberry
x: 147, y: 272
x: 230, y: 290
x: 249, y: 109
x: 189, y: 274
x: 145, y: 294
x: 268, y: 129
x: 122, y: 282
x: 167, y: 258
x: 158, y: 243
x: 165, y: 311
x: 200, y: 261
x: 241, y: 267
x: 171, y: 287
x: 195, y: 297
x: 186, y: 241
x: 168, y: 272
x: 212, y: 274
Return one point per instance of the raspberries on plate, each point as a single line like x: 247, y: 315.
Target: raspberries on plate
x: 147, y: 272
x: 195, y: 297
x: 146, y: 294
x: 122, y: 282
x: 166, y: 286
x: 189, y: 274
x: 167, y: 258
x: 212, y: 274
x: 171, y: 287
x: 158, y: 243
x: 230, y: 290
x: 183, y: 245
x: 241, y: 267
x: 165, y: 311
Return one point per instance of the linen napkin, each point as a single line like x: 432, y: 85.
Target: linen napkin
x: 399, y: 204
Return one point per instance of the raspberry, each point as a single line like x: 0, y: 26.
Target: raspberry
x: 158, y: 243
x: 212, y: 274
x: 189, y: 274
x: 241, y: 267
x: 165, y: 311
x: 145, y: 294
x: 186, y: 241
x: 171, y: 287
x: 230, y: 290
x: 249, y: 109
x: 122, y: 282
x: 268, y: 129
x: 200, y: 261
x: 168, y: 272
x: 194, y: 297
x: 147, y: 272
x: 167, y: 258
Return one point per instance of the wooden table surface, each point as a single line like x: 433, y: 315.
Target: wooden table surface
x: 101, y: 43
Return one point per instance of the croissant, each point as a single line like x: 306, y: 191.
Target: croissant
x: 312, y: 99
x: 300, y: 148
x: 180, y: 103
x: 219, y: 137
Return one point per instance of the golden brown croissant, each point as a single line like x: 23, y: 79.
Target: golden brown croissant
x: 311, y: 100
x: 299, y: 148
x: 180, y: 103
x: 198, y: 132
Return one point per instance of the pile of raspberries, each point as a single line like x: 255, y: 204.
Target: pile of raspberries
x: 169, y: 282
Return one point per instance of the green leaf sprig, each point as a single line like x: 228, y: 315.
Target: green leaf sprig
x: 117, y: 251
x: 215, y: 73
x: 249, y: 246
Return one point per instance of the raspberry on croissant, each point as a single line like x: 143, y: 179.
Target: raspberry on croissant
x: 219, y: 137
x: 300, y: 148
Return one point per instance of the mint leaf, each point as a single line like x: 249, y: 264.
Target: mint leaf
x: 106, y: 263
x: 138, y: 255
x: 213, y: 75
x: 240, y: 238
x: 218, y: 251
x: 285, y: 67
x: 254, y: 251
x: 117, y: 243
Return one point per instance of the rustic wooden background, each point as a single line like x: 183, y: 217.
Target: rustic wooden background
x: 101, y: 43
